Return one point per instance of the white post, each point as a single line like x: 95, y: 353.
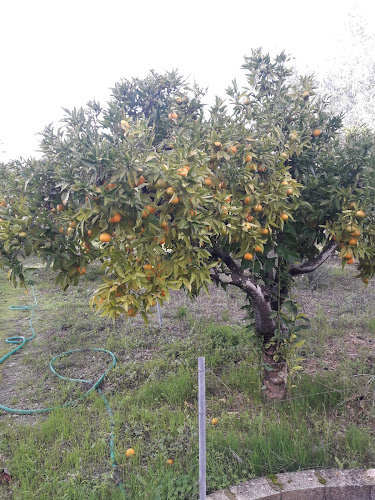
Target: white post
x: 160, y: 315
x: 202, y: 427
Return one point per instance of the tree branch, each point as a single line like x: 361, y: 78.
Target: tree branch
x: 310, y: 266
x: 227, y: 259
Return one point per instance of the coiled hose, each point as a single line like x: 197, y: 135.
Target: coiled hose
x: 20, y: 341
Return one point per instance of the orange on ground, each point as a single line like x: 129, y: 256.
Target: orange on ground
x: 130, y: 452
x: 215, y: 421
x: 170, y: 462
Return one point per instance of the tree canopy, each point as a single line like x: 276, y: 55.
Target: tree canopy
x: 167, y: 193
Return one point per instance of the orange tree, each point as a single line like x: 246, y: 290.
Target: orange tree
x: 167, y: 194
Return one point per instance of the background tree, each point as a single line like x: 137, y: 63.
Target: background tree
x: 252, y: 193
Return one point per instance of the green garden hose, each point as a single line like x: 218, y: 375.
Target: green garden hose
x: 20, y: 341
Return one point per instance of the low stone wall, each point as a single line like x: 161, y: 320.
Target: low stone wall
x: 350, y: 484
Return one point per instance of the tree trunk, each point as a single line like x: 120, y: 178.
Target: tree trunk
x: 275, y: 375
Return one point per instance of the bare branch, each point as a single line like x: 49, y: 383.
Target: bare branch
x: 310, y: 266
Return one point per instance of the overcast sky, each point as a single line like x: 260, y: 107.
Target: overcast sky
x: 62, y: 54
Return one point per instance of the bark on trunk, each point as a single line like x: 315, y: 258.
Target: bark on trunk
x: 274, y: 379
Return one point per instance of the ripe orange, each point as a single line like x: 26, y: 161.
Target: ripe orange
x: 110, y: 186
x: 170, y: 462
x: 147, y: 267
x: 248, y: 256
x: 357, y: 232
x: 132, y: 312
x: 115, y: 218
x: 222, y: 185
x: 69, y: 230
x: 348, y: 256
x: 261, y: 167
x: 215, y: 421
x: 285, y: 183
x: 228, y: 198
x: 83, y: 271
x: 105, y: 237
x: 289, y: 191
x: 163, y: 293
x: 232, y: 149
x: 350, y: 261
x: 183, y: 171
x: 352, y: 241
x: 258, y: 208
x: 164, y: 224
x: 174, y: 201
x: 173, y: 116
x: 141, y: 180
x: 249, y: 218
x: 3, y: 204
x: 317, y: 132
x: 258, y: 249
x: 247, y: 200
x: 150, y: 209
x: 61, y: 230
x: 162, y: 241
x: 352, y: 204
x: 207, y: 181
x: 284, y: 217
x: 218, y: 144
x: 366, y: 280
x: 360, y: 214
x: 130, y: 452
x: 247, y: 158
x: 60, y: 207
x: 263, y: 231
x: 89, y: 232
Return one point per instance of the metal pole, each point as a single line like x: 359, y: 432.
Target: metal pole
x: 202, y: 427
x: 160, y: 315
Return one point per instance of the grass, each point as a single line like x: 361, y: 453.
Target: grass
x: 328, y: 422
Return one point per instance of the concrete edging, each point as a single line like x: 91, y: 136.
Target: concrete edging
x: 326, y: 484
